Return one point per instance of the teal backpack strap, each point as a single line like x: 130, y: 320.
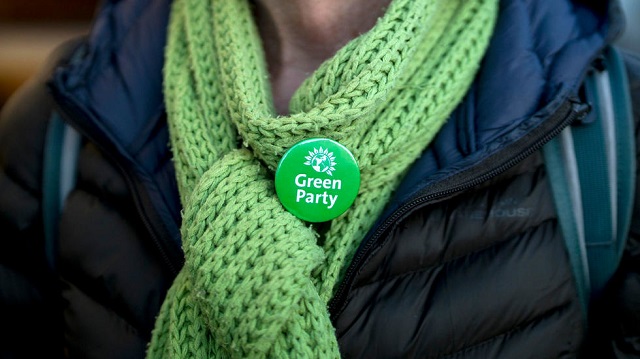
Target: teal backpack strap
x: 608, y: 233
x: 62, y: 145
x: 591, y: 166
x: 562, y: 169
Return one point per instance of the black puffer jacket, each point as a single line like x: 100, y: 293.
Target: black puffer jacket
x: 467, y: 261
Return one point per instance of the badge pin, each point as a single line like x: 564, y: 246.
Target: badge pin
x: 317, y: 179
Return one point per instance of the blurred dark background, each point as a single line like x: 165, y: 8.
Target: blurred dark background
x: 31, y: 29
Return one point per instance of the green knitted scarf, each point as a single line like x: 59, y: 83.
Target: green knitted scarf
x: 256, y: 280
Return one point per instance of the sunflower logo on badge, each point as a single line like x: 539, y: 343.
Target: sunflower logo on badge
x: 321, y: 160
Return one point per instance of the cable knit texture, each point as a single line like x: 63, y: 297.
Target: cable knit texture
x: 257, y: 280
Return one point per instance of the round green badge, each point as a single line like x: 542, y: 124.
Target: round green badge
x: 317, y: 179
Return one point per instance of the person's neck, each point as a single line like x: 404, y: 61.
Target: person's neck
x: 299, y: 35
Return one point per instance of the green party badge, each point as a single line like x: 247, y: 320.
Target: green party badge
x: 317, y: 179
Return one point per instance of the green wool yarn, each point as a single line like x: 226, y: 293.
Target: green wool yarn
x: 256, y: 280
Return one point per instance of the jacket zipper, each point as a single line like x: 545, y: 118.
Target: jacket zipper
x: 566, y: 114
x: 70, y: 110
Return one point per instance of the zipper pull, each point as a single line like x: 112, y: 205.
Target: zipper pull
x: 582, y: 112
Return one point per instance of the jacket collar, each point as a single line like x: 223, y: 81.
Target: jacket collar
x: 536, y: 60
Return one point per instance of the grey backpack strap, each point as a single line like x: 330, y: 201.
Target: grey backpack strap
x: 62, y: 145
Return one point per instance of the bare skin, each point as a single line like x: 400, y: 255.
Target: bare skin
x: 299, y: 35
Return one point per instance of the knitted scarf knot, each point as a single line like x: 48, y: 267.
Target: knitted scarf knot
x: 257, y: 280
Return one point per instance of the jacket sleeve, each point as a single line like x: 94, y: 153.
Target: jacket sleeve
x: 615, y: 318
x: 29, y: 301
